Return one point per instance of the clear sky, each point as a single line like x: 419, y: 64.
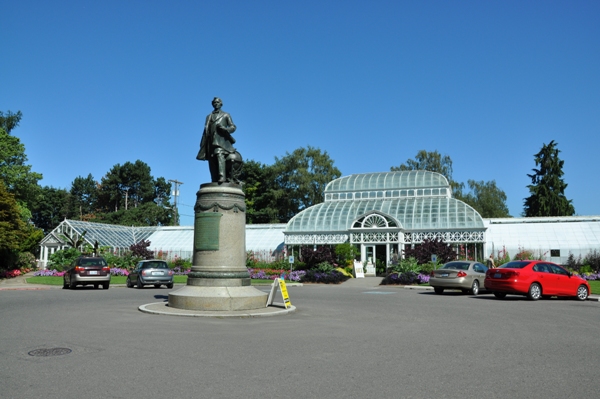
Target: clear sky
x: 371, y: 82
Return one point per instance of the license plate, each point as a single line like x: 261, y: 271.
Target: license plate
x: 497, y: 275
x: 93, y: 272
x: 444, y: 275
x: 157, y: 273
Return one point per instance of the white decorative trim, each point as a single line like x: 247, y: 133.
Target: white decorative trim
x: 315, y: 239
x: 446, y: 236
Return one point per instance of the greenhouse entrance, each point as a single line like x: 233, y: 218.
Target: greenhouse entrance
x: 377, y: 255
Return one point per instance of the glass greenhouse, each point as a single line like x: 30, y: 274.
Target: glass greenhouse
x: 384, y: 212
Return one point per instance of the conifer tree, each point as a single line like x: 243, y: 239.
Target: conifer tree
x: 547, y: 186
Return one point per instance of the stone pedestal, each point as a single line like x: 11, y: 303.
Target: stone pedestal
x: 219, y: 279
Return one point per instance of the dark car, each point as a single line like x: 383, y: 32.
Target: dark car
x: 150, y: 272
x: 535, y: 279
x: 87, y: 270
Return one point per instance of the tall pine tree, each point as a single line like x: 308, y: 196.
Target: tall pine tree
x: 547, y: 186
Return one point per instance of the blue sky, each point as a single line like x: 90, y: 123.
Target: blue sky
x: 370, y: 82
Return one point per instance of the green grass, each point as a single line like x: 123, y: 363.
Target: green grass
x: 115, y: 280
x: 595, y: 286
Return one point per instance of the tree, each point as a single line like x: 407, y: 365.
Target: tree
x: 50, y: 208
x: 258, y: 186
x: 12, y: 228
x: 275, y: 193
x: 14, y: 172
x: 547, y: 187
x: 147, y: 214
x: 300, y: 180
x: 83, y: 197
x: 433, y: 162
x: 487, y: 199
x: 134, y: 196
x: 9, y: 121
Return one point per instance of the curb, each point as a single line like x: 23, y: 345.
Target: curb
x: 162, y: 308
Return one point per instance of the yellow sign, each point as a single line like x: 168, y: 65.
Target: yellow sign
x: 284, y: 293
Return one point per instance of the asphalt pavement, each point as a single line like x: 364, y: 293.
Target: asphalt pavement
x: 353, y: 340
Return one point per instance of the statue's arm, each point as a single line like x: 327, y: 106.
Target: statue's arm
x: 230, y: 126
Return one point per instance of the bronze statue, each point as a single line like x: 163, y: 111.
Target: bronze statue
x: 216, y: 146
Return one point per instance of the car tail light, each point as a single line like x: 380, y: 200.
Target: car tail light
x: 79, y: 269
x: 432, y: 274
x: 170, y: 272
x: 106, y: 269
x: 461, y: 274
x: 144, y: 272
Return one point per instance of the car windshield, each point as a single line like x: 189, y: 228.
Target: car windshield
x: 456, y: 266
x: 154, y: 265
x: 514, y: 265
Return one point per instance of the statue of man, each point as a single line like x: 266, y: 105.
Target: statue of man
x: 216, y: 145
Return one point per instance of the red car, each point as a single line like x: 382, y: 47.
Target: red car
x: 535, y: 279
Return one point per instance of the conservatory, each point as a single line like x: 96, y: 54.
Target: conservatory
x: 385, y: 213
x: 167, y: 242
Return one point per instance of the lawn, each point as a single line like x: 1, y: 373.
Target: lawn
x: 120, y: 280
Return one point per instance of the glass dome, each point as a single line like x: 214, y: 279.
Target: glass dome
x: 425, y: 213
x: 387, y: 181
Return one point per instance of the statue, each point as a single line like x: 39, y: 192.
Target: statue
x: 216, y: 146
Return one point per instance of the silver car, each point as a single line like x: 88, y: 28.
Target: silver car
x: 467, y: 276
x: 150, y: 272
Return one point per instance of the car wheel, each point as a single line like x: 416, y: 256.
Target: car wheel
x: 139, y: 283
x: 500, y: 295
x: 535, y: 292
x: 582, y: 293
x: 475, y: 287
x: 128, y: 282
x: 65, y: 285
x: 105, y: 286
x: 170, y: 285
x: 95, y: 286
x: 438, y: 290
x: 72, y: 286
x: 156, y: 285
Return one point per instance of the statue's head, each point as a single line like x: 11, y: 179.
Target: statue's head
x: 217, y: 103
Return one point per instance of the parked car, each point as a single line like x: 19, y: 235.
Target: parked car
x: 148, y: 272
x: 535, y: 279
x: 467, y: 276
x: 87, y: 270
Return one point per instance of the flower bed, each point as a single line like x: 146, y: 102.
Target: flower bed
x: 272, y: 274
x: 408, y: 278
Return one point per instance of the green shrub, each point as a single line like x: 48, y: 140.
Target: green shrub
x: 26, y: 260
x: 428, y: 267
x: 346, y: 253
x: 324, y: 267
x: 593, y: 260
x: 61, y: 259
x: 406, y: 266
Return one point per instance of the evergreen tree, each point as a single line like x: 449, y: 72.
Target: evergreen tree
x: 547, y: 186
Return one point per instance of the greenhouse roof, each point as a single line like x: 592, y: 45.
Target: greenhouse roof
x: 260, y: 237
x: 109, y: 235
x: 387, y: 181
x: 423, y: 213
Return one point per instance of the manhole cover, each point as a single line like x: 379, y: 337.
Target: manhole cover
x: 50, y: 352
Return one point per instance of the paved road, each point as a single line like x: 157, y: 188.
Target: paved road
x: 342, y: 342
